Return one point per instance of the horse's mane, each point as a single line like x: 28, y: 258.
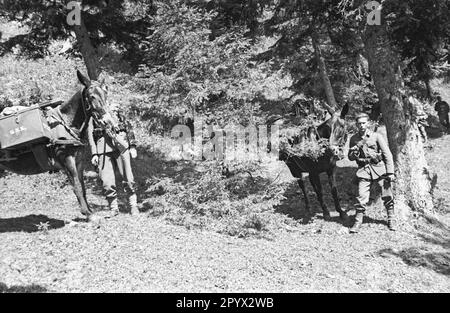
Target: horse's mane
x: 67, y: 106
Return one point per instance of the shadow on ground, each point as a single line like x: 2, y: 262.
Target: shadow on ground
x: 433, y: 232
x: 149, y: 167
x: 294, y: 204
x: 29, y: 224
x: 435, y: 129
x: 436, y: 232
x: 421, y: 257
x: 22, y: 289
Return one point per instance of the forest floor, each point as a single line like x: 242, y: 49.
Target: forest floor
x: 43, y: 250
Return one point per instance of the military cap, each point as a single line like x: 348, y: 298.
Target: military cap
x: 361, y: 115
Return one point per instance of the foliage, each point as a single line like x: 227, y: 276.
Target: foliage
x: 186, y: 74
x: 361, y: 97
x: 308, y: 148
x: 421, y: 30
x: 121, y: 22
x: 238, y: 205
x: 294, y: 141
x: 28, y: 82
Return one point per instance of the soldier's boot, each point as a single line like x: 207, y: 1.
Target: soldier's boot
x: 358, y: 222
x: 389, y: 205
x: 113, y: 205
x: 132, y: 201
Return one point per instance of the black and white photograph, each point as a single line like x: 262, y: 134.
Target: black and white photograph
x: 224, y: 151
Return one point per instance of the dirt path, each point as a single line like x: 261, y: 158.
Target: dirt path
x: 147, y: 254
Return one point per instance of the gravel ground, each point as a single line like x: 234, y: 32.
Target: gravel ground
x: 41, y: 251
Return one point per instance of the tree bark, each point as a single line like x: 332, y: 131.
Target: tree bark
x: 425, y: 74
x: 412, y: 187
x: 429, y: 88
x: 329, y: 93
x: 87, y: 50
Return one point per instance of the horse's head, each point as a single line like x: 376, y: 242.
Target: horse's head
x: 95, y: 100
x: 335, y: 130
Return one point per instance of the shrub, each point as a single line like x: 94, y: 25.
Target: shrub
x: 235, y: 205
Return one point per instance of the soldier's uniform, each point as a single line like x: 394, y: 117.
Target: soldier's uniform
x: 374, y: 159
x: 442, y: 109
x: 112, y: 148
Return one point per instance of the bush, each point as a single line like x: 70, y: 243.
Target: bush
x: 236, y: 205
x: 31, y: 81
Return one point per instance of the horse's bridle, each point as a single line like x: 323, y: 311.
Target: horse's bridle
x: 340, y: 144
x: 88, y: 108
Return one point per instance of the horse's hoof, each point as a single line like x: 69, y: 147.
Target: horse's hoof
x: 307, y: 219
x: 345, y: 219
x: 326, y: 216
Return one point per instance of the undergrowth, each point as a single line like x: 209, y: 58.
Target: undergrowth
x: 240, y: 205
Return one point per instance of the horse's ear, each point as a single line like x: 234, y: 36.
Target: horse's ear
x: 345, y: 110
x: 103, y: 84
x: 86, y: 82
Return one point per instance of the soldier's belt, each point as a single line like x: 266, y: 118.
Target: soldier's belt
x: 364, y: 161
x: 98, y: 132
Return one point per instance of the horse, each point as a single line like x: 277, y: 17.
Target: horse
x: 334, y: 132
x: 66, y: 150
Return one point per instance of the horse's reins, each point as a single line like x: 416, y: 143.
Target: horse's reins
x: 87, y: 108
x: 93, y: 116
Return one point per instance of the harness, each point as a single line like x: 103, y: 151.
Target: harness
x: 57, y: 115
x: 75, y: 133
x: 86, y: 110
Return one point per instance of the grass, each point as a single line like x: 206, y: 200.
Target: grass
x: 202, y: 230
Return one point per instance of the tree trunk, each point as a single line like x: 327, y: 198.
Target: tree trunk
x: 412, y: 188
x: 429, y: 89
x: 87, y: 50
x: 324, y: 74
x: 425, y: 74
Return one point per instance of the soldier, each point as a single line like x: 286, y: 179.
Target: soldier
x: 375, y: 165
x: 442, y: 109
x: 112, y: 150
